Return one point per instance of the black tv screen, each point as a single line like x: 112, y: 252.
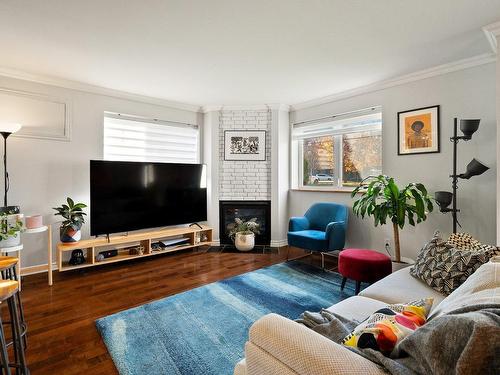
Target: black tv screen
x: 126, y: 196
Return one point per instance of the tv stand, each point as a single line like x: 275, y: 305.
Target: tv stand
x: 198, y: 225
x: 92, y: 247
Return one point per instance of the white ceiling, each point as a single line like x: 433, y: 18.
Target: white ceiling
x: 239, y: 52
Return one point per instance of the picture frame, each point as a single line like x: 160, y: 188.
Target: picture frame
x: 247, y: 145
x: 419, y: 131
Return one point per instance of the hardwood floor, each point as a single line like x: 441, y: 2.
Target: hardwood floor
x: 62, y: 338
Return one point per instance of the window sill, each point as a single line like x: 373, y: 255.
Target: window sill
x: 323, y: 190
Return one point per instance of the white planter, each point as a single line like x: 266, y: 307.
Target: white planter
x: 405, y: 262
x: 11, y: 241
x: 244, y: 242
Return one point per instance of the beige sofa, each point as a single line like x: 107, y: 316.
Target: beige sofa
x: 277, y: 345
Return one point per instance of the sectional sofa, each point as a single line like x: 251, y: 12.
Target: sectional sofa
x: 279, y: 346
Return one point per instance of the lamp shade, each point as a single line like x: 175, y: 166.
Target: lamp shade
x: 469, y: 127
x: 443, y: 199
x: 474, y: 168
x: 9, y: 127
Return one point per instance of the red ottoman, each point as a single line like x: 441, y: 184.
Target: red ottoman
x: 362, y: 265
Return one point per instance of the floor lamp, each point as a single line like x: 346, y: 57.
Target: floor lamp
x: 474, y: 168
x: 7, y: 129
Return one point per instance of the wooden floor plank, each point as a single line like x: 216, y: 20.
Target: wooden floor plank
x: 63, y: 338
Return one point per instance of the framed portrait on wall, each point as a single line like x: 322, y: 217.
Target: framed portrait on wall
x: 245, y: 145
x: 418, y: 131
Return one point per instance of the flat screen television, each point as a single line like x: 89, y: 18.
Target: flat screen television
x: 126, y: 196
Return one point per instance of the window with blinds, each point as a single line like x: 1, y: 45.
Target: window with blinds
x: 337, y: 151
x: 137, y: 139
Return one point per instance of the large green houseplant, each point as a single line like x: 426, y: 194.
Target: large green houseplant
x: 385, y: 201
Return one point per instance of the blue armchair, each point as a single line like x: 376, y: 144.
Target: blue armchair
x: 322, y: 229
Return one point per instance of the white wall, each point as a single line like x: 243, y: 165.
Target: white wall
x: 44, y: 172
x: 468, y: 93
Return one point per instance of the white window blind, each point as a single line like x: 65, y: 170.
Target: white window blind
x: 137, y: 139
x: 359, y: 121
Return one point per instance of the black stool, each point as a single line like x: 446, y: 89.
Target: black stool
x: 9, y: 291
x: 8, y: 272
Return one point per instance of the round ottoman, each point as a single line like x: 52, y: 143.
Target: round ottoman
x: 362, y: 265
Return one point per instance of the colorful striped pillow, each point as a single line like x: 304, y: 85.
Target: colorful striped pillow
x: 385, y: 328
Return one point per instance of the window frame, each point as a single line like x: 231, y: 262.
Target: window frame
x: 297, y: 154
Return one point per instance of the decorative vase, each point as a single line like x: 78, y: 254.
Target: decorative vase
x: 11, y: 241
x: 70, y: 235
x: 244, y: 242
x: 33, y: 221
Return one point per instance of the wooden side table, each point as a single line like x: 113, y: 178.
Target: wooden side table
x: 48, y: 229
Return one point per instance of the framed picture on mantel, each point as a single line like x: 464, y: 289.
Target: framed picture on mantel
x: 418, y: 131
x: 245, y: 145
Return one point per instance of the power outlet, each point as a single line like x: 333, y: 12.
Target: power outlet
x: 387, y: 245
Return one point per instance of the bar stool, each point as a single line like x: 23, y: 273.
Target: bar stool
x: 8, y: 272
x: 8, y: 293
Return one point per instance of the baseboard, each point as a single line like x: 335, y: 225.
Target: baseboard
x: 31, y: 270
x: 279, y: 243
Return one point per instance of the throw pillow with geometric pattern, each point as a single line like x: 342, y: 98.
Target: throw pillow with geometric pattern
x: 444, y: 266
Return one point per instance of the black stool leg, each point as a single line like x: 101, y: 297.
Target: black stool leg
x: 13, y: 276
x: 343, y: 283
x: 358, y: 286
x: 3, y: 350
x: 17, y: 336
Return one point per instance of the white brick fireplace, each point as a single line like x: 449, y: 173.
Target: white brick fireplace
x: 248, y: 180
x: 245, y: 180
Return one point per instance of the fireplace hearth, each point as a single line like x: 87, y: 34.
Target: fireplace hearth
x: 245, y: 210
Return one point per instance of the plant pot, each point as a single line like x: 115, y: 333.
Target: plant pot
x: 70, y: 235
x: 10, y: 210
x: 405, y: 262
x: 11, y: 241
x: 244, y: 242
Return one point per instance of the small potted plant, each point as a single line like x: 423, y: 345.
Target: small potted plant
x: 11, y: 227
x: 74, y: 218
x: 384, y: 200
x: 243, y: 233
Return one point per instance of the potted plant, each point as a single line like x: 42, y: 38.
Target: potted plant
x: 384, y: 200
x: 73, y: 215
x: 243, y: 233
x: 11, y: 227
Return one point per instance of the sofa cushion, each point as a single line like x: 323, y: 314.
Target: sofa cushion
x: 388, y: 326
x: 401, y: 287
x: 313, y: 240
x: 482, y: 288
x: 444, y: 266
x: 356, y: 308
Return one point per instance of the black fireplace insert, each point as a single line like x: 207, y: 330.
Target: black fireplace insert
x: 245, y: 210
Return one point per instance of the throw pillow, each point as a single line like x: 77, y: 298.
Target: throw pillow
x: 444, y: 266
x: 386, y: 327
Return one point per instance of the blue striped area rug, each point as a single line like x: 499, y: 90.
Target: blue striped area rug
x: 203, y: 330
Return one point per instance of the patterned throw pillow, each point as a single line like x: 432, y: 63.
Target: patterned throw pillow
x: 386, y: 327
x: 444, y: 266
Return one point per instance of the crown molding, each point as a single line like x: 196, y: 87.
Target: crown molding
x: 492, y: 32
x: 470, y: 62
x: 93, y: 89
x: 256, y: 107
